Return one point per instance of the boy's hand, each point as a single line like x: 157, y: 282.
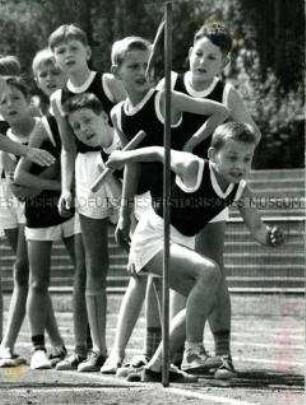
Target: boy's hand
x: 275, y: 237
x: 65, y: 204
x: 40, y: 157
x: 131, y: 269
x: 122, y: 232
x: 115, y: 160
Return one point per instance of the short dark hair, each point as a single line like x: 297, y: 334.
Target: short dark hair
x: 19, y: 83
x: 123, y: 46
x: 81, y: 101
x: 236, y: 131
x: 65, y: 33
x: 218, y: 34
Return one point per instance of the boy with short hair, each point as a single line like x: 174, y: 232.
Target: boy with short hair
x: 201, y: 191
x: 208, y: 56
x: 72, y: 52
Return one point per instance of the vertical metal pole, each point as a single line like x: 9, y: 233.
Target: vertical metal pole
x: 167, y: 189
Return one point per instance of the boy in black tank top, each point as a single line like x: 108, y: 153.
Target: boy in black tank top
x: 200, y: 191
x: 208, y: 56
x: 143, y: 110
x: 72, y: 52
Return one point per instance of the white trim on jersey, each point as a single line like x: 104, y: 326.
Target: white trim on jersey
x: 202, y: 93
x: 216, y: 186
x: 186, y: 188
x: 46, y: 125
x: 159, y: 113
x: 81, y: 89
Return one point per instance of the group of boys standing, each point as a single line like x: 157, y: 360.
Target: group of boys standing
x: 89, y: 118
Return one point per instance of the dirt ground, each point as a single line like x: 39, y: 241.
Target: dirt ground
x: 268, y: 350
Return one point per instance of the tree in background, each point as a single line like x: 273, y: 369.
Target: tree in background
x: 268, y: 56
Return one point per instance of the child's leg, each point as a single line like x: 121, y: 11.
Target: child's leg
x: 210, y: 242
x: 76, y: 252
x: 17, y: 307
x: 195, y: 277
x: 95, y: 238
x: 153, y: 316
x: 38, y: 300
x: 129, y: 312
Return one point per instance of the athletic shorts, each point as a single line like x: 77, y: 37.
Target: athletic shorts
x: 11, y: 209
x: 53, y: 233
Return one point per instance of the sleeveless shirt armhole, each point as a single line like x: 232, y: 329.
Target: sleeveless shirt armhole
x: 46, y: 125
x: 160, y: 115
x: 106, y: 88
x: 57, y: 97
x: 179, y: 182
x: 241, y: 187
x: 116, y: 112
x: 226, y: 91
x: 161, y: 83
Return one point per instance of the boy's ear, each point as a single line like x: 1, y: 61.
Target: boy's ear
x: 114, y: 71
x: 89, y: 52
x: 226, y: 61
x: 211, y: 153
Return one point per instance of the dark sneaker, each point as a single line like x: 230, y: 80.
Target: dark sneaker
x: 57, y: 354
x: 198, y: 361
x: 94, y: 362
x: 175, y: 375
x: 134, y: 367
x: 226, y: 371
x: 70, y: 362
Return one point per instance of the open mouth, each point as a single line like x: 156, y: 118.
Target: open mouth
x: 70, y: 63
x: 13, y: 113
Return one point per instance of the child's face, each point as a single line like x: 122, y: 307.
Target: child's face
x: 71, y: 55
x: 88, y: 126
x: 206, y: 60
x: 232, y: 161
x: 14, y: 105
x: 50, y: 78
x: 132, y: 72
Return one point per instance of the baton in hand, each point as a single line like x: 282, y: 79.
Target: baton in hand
x: 106, y: 172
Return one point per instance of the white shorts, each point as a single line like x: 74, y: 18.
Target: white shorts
x: 148, y: 239
x: 57, y: 232
x: 143, y: 204
x: 11, y: 209
x: 223, y: 216
x: 101, y: 204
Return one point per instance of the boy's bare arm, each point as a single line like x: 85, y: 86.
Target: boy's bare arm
x: 259, y: 230
x: 239, y: 112
x: 129, y: 190
x: 22, y: 175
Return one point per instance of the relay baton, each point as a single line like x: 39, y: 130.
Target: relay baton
x: 106, y: 172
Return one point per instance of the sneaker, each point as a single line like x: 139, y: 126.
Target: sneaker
x: 175, y: 375
x: 94, y: 362
x: 40, y: 360
x: 226, y: 371
x: 70, y: 362
x: 57, y: 354
x: 10, y: 359
x: 198, y: 361
x: 112, y: 364
x: 135, y: 366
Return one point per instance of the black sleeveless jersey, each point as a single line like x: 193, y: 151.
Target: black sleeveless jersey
x: 191, y: 211
x: 41, y: 211
x: 146, y: 119
x: 192, y: 122
x: 96, y: 88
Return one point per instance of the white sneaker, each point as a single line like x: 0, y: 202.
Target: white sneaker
x: 10, y: 359
x: 113, y: 362
x: 40, y: 360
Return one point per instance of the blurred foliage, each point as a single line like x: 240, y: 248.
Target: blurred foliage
x: 267, y: 60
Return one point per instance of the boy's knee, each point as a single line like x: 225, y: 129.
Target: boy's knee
x: 212, y: 273
x: 39, y: 286
x: 21, y: 273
